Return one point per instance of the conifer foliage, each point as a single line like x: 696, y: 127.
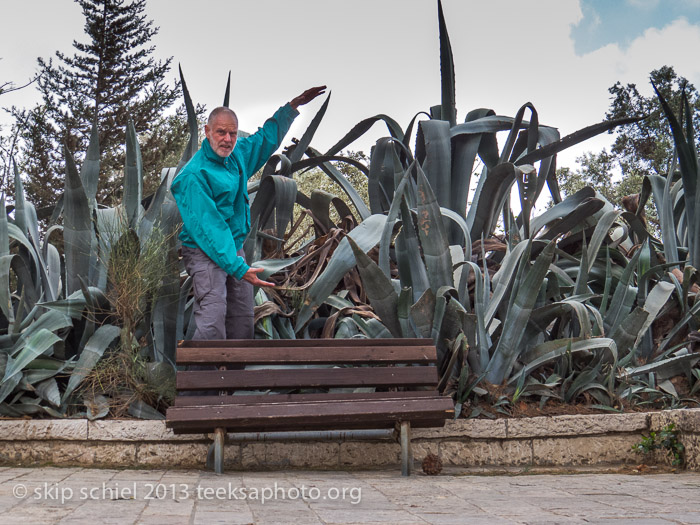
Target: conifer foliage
x: 112, y: 74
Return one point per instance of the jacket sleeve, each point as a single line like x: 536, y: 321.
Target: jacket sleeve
x: 254, y: 151
x: 197, y: 208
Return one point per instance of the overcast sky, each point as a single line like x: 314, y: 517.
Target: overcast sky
x: 381, y: 56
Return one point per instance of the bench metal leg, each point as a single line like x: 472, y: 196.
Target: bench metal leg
x: 219, y: 436
x: 406, y: 453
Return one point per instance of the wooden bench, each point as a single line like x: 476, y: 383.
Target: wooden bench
x: 402, y: 373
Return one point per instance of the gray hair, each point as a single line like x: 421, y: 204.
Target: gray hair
x: 219, y: 111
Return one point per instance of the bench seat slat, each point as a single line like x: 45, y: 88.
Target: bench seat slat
x: 382, y: 423
x: 302, y: 343
x: 301, y: 415
x: 248, y: 399
x: 307, y: 378
x: 419, y: 354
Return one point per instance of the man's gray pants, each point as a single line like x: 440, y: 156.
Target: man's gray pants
x: 223, y: 305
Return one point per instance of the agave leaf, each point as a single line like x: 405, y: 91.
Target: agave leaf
x: 155, y: 210
x: 96, y: 406
x: 5, y: 294
x: 77, y: 227
x: 422, y: 313
x: 366, y: 235
x: 300, y: 148
x: 626, y: 333
x: 380, y: 292
x: 434, y: 155
x: 182, y: 317
x: 384, y: 169
x: 20, y: 202
x: 92, y: 352
x: 192, y: 124
x: 619, y: 304
x: 526, y: 178
x: 553, y: 350
x: 272, y: 266
x: 665, y: 368
x: 273, y: 207
x: 412, y: 271
x: 433, y: 238
x: 600, y: 232
x: 4, y: 235
x: 38, y: 343
x: 447, y: 71
x: 76, y: 303
x: 337, y: 177
x: 227, y: 94
x: 517, y: 316
x: 655, y: 301
x: 575, y: 220
x: 141, y: 410
x: 562, y: 209
x: 372, y: 328
x: 502, y: 279
x: 321, y: 207
x: 7, y: 387
x: 90, y: 170
x: 133, y: 176
x: 48, y: 390
x: 489, y: 197
x: 362, y: 127
x: 663, y: 202
x: 688, y: 163
x: 573, y: 139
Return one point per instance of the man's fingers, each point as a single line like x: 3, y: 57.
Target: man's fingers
x: 308, y: 95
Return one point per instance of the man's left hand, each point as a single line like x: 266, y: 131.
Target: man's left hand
x: 307, y: 96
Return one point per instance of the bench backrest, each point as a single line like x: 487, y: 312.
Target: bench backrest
x: 381, y: 363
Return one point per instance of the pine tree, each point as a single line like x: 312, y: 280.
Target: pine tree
x: 114, y: 75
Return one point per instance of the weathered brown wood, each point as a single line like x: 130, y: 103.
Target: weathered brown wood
x: 416, y: 354
x: 301, y: 343
x: 334, y: 414
x: 251, y: 399
x: 382, y: 423
x: 307, y: 378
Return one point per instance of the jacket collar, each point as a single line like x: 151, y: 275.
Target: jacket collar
x: 210, y: 154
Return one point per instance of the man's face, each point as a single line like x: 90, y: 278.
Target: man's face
x: 222, y: 134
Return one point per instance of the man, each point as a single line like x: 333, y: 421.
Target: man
x: 211, y: 193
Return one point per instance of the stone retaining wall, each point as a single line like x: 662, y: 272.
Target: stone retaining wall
x: 560, y: 441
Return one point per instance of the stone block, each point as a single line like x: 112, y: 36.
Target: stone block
x: 32, y: 453
x: 135, y: 430
x: 511, y: 452
x: 115, y: 454
x: 307, y: 454
x: 26, y: 429
x: 252, y: 455
x: 357, y: 454
x: 691, y: 441
x: 172, y: 455
x: 686, y: 420
x: 576, y: 425
x: 606, y: 449
x: 467, y: 428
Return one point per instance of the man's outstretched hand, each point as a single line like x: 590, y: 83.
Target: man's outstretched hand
x: 252, y: 277
x: 307, y: 96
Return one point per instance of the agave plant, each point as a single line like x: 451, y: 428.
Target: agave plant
x: 572, y: 293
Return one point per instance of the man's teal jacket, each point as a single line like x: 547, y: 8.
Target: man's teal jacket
x: 212, y: 194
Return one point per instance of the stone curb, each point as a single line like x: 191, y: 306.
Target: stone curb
x: 558, y: 441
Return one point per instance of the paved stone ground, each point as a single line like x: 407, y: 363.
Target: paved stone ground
x: 103, y: 497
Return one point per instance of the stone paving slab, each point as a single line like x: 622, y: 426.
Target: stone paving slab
x: 90, y: 496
